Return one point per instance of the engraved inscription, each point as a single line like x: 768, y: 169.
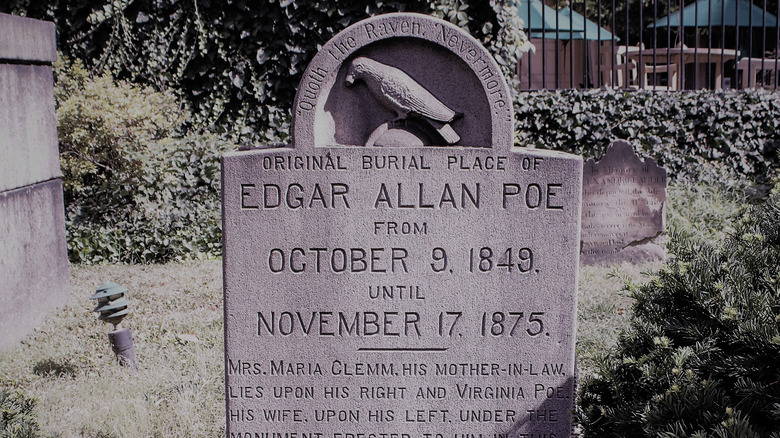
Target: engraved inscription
x: 412, y: 283
x: 485, y: 70
x: 622, y: 207
x: 391, y: 28
x: 311, y: 85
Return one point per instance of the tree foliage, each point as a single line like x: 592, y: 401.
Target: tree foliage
x: 237, y: 63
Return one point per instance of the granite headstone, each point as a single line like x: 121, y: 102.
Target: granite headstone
x: 623, y: 207
x: 401, y: 271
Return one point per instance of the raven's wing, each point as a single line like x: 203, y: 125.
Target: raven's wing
x: 405, y: 92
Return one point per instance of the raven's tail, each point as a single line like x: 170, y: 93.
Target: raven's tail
x: 448, y: 134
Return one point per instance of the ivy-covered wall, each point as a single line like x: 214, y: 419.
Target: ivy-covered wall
x: 134, y: 194
x: 234, y: 67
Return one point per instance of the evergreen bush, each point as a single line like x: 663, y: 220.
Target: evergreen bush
x: 700, y: 358
x: 17, y: 419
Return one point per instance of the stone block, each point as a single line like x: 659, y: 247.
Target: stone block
x: 27, y: 40
x: 29, y: 150
x: 34, y: 263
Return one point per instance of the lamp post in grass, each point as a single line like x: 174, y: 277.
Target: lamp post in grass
x: 113, y: 307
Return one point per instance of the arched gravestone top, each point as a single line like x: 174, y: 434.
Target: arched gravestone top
x: 378, y: 70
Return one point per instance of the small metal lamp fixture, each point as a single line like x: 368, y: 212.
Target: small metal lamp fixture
x: 112, y: 306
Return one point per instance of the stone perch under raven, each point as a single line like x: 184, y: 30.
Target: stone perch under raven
x: 399, y: 93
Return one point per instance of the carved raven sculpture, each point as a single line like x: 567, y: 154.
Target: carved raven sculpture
x: 399, y: 93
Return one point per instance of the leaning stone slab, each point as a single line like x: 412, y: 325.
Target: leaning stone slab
x: 34, y: 262
x: 402, y: 271
x: 34, y: 276
x: 623, y: 206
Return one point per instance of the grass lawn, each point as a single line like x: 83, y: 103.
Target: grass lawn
x: 176, y: 320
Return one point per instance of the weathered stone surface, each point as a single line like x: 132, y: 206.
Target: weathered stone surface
x: 28, y: 144
x: 26, y: 39
x: 34, y: 263
x: 623, y: 206
x: 400, y: 291
x: 311, y: 257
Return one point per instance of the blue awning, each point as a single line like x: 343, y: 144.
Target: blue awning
x: 705, y: 13
x: 542, y: 21
x: 590, y: 30
x: 542, y: 18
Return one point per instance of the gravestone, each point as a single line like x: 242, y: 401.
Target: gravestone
x: 401, y: 271
x: 34, y: 277
x: 623, y: 205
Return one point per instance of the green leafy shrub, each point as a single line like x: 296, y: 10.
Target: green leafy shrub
x: 134, y: 193
x: 700, y: 358
x: 166, y: 209
x: 719, y: 137
x: 17, y: 419
x: 105, y: 126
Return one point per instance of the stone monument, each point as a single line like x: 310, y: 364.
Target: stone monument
x: 401, y: 271
x: 34, y: 276
x: 623, y: 206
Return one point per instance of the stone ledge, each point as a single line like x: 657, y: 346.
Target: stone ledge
x: 26, y: 39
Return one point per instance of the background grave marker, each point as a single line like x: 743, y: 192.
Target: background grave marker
x: 623, y: 206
